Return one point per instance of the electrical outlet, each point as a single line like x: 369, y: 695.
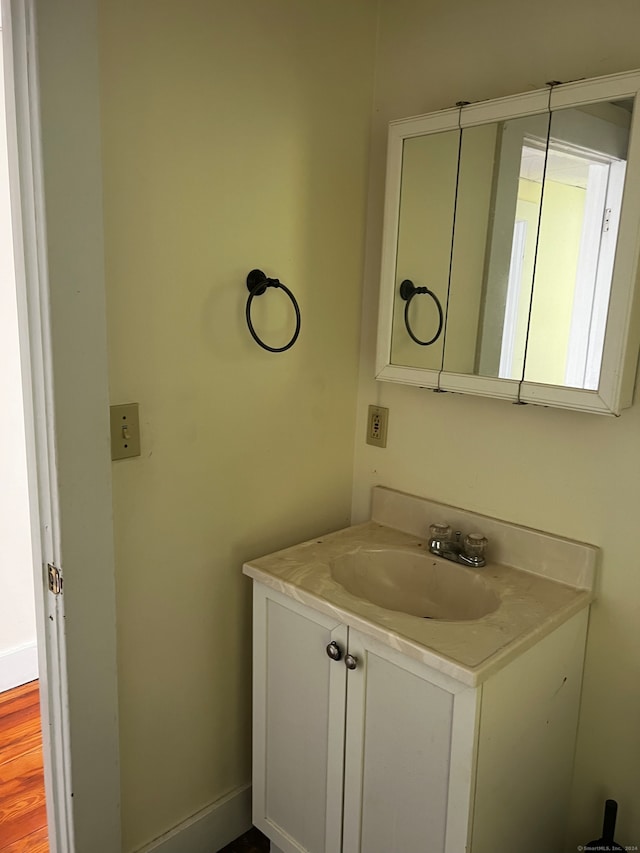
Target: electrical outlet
x: 125, y: 431
x: 377, y: 421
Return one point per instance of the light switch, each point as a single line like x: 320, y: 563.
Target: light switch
x: 125, y: 431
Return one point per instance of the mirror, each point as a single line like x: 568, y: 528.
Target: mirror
x: 492, y: 221
x: 509, y: 215
x: 584, y: 179
x: 425, y: 229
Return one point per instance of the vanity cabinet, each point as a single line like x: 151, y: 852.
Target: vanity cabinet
x: 408, y: 753
x: 299, y: 698
x: 393, y: 755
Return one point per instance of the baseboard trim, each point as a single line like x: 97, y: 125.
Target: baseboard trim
x: 210, y: 829
x: 18, y: 666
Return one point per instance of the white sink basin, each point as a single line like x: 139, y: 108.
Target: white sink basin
x: 416, y: 583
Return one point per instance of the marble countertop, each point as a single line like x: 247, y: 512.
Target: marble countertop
x: 531, y: 605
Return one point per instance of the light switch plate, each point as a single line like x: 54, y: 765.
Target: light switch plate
x: 125, y: 431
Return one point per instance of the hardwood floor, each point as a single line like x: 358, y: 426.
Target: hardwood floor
x: 23, y: 819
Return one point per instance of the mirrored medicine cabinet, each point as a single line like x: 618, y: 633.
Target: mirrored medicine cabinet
x: 510, y: 247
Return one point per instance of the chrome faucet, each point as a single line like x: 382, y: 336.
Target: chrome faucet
x: 452, y: 546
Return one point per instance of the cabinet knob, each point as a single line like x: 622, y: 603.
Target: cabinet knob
x: 334, y: 651
x: 350, y: 662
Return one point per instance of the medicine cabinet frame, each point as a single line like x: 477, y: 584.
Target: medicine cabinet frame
x: 622, y: 333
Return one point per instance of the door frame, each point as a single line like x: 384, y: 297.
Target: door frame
x: 52, y: 87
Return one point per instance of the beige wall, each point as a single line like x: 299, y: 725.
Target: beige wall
x: 574, y: 474
x: 235, y: 135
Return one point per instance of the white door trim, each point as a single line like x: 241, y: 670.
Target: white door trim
x: 608, y: 241
x: 27, y: 217
x: 59, y: 259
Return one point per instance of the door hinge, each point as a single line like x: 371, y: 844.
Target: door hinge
x: 55, y: 579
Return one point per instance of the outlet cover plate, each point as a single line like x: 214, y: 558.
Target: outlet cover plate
x: 377, y: 421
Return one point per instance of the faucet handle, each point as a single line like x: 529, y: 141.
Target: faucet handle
x: 440, y: 531
x: 475, y: 544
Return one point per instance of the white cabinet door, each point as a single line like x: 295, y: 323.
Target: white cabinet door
x: 409, y: 760
x: 298, y: 728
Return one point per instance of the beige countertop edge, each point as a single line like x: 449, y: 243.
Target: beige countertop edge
x: 471, y: 676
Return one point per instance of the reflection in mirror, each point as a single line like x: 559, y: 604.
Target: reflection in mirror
x: 493, y: 157
x: 578, y: 232
x: 499, y: 203
x: 475, y: 182
x: 428, y: 190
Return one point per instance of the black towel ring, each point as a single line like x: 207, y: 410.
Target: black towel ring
x: 257, y: 284
x: 407, y: 292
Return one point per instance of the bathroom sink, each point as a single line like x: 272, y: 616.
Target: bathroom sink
x: 416, y: 583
